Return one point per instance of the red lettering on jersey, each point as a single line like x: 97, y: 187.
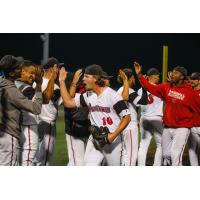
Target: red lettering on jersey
x: 150, y: 99
x: 107, y: 120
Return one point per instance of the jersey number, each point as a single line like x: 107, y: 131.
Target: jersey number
x: 150, y: 99
x: 107, y: 120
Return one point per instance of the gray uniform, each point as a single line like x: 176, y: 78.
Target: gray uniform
x: 12, y: 102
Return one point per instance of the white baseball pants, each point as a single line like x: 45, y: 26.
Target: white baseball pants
x: 76, y: 150
x: 173, y: 145
x: 150, y: 127
x: 8, y: 149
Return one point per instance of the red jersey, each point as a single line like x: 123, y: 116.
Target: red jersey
x: 180, y: 103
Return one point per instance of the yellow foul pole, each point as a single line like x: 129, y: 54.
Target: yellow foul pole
x: 165, y: 64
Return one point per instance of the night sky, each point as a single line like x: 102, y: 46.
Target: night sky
x: 112, y: 51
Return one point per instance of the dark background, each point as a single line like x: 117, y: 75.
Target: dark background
x: 112, y: 51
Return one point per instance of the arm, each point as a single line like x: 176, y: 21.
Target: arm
x: 23, y: 103
x: 137, y: 99
x: 75, y: 80
x: 157, y: 90
x: 122, y: 125
x: 125, y: 92
x: 68, y: 101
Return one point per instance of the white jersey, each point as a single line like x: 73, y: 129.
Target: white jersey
x: 49, y: 111
x: 131, y: 108
x: 154, y: 108
x: 27, y: 118
x: 107, y: 109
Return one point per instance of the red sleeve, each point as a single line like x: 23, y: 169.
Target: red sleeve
x: 157, y: 90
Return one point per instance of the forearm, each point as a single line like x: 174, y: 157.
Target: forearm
x: 48, y: 92
x: 68, y: 101
x: 122, y: 125
x: 72, y: 89
x: 125, y: 92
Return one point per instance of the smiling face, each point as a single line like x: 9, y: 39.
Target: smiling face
x: 28, y: 74
x: 176, y: 76
x: 194, y: 83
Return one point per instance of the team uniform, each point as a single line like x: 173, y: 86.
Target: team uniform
x: 28, y: 142
x: 47, y: 126
x: 151, y: 124
x: 131, y: 131
x: 105, y: 110
x: 12, y: 102
x: 76, y: 129
x: 194, y: 138
x: 177, y: 117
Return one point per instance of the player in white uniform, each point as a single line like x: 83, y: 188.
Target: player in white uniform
x: 107, y: 109
x: 48, y: 115
x: 28, y: 142
x: 126, y: 77
x: 194, y: 138
x: 151, y: 124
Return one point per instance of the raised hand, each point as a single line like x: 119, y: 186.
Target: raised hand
x: 77, y: 76
x: 62, y: 74
x: 138, y: 68
x: 169, y: 76
x: 38, y: 75
x: 122, y: 75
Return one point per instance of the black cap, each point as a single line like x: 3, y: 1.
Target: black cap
x: 195, y: 76
x: 153, y: 71
x: 182, y: 70
x: 96, y: 70
x: 10, y: 62
x: 51, y: 62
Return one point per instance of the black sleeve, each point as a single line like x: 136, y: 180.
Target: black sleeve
x: 144, y: 98
x: 119, y: 106
x: 82, y: 101
x: 142, y: 101
x: 29, y: 93
x: 56, y: 95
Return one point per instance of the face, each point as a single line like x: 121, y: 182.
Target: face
x: 154, y: 78
x: 28, y: 74
x: 176, y: 76
x: 89, y: 81
x: 194, y: 83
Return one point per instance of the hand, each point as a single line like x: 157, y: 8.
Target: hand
x: 169, y: 76
x: 38, y: 75
x: 77, y: 76
x: 62, y: 74
x: 123, y: 75
x: 138, y: 68
x: 55, y: 71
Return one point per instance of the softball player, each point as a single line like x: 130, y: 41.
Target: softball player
x: 76, y: 124
x: 151, y: 124
x: 106, y: 109
x: 29, y: 122
x: 131, y: 131
x: 179, y: 109
x: 194, y: 138
x: 12, y: 102
x: 48, y: 115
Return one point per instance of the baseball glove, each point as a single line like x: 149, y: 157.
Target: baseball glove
x: 100, y: 134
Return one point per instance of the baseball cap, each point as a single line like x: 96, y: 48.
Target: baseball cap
x: 51, y: 62
x: 195, y: 76
x: 182, y: 70
x: 10, y: 62
x: 95, y: 69
x: 153, y: 71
